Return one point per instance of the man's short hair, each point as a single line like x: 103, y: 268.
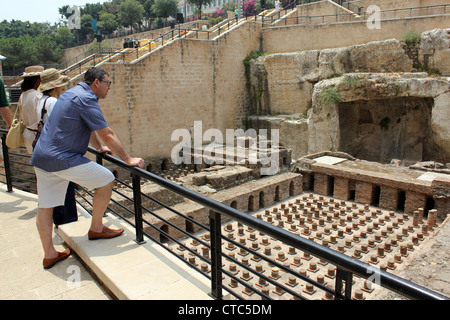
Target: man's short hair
x: 94, y: 73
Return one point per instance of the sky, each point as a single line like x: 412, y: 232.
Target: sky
x: 37, y: 10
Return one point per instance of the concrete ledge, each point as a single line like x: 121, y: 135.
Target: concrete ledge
x: 131, y: 271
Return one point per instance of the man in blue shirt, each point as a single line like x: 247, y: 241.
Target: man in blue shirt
x: 4, y: 110
x: 58, y: 158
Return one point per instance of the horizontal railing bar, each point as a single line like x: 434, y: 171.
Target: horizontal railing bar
x: 21, y: 171
x: 352, y: 14
x: 176, y: 255
x: 18, y: 179
x: 172, y: 225
x: 176, y: 212
x: 277, y: 264
x: 21, y: 163
x: 24, y: 188
x: 123, y: 183
x: 274, y: 282
x: 353, y: 265
x: 84, y: 198
x: 124, y: 196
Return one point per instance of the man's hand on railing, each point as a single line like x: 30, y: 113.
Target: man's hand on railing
x: 135, y: 162
x: 105, y: 149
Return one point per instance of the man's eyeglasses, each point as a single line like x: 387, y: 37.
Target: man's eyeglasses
x: 108, y: 82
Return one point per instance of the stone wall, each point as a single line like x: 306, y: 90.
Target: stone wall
x: 385, y: 186
x: 296, y: 38
x: 187, y: 81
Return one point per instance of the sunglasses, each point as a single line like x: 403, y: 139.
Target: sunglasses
x: 108, y: 82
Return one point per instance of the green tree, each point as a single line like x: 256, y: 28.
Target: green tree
x: 149, y: 14
x: 20, y: 51
x: 165, y: 8
x: 94, y: 9
x: 63, y: 36
x: 85, y: 32
x: 47, y: 51
x: 108, y: 22
x: 131, y: 12
x: 199, y: 3
x: 25, y: 43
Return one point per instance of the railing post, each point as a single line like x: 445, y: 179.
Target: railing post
x: 99, y: 159
x: 138, y: 208
x: 216, y: 254
x: 7, y: 164
x: 343, y: 276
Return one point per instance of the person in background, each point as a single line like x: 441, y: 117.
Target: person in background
x: 277, y: 5
x: 4, y: 105
x: 4, y: 111
x: 28, y: 101
x: 51, y: 86
x: 58, y: 158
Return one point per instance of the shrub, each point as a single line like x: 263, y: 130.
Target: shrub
x: 411, y: 39
x: 249, y: 8
x: 330, y: 96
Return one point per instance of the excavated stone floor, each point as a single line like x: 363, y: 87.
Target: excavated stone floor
x: 384, y: 239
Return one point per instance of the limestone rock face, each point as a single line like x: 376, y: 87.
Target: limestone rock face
x: 435, y: 50
x: 367, y: 100
x: 287, y: 79
x: 380, y: 116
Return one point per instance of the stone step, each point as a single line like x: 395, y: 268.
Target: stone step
x: 132, y: 271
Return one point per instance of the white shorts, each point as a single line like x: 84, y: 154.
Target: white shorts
x: 52, y: 186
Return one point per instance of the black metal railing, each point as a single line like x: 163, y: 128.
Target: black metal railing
x: 347, y: 17
x: 349, y: 5
x: 147, y: 222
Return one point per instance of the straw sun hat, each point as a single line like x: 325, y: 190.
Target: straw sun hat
x: 32, y: 71
x: 51, y: 78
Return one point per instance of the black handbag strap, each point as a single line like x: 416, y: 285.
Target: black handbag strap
x: 44, y: 111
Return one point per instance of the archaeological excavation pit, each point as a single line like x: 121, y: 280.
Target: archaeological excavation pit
x: 381, y: 117
x: 385, y: 129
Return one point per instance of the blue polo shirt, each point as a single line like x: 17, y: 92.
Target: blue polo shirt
x: 65, y: 137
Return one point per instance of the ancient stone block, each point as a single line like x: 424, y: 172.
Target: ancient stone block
x: 363, y: 192
x: 341, y: 188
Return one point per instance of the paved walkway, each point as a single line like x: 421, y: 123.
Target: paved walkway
x: 21, y: 273
x: 129, y: 271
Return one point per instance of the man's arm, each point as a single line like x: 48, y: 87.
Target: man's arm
x: 98, y: 145
x: 6, y: 114
x: 108, y: 136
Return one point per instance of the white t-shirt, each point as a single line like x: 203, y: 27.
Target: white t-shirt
x: 48, y: 106
x: 29, y: 101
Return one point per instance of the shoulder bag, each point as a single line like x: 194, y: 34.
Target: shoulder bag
x: 14, y: 138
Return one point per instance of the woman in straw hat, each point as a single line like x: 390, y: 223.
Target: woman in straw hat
x: 51, y: 86
x: 28, y: 101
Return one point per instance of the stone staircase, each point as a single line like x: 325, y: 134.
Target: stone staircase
x: 347, y: 6
x: 129, y: 55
